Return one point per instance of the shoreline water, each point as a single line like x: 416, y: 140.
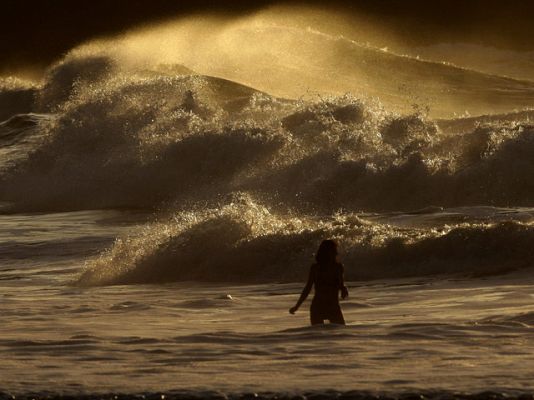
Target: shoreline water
x: 508, y: 394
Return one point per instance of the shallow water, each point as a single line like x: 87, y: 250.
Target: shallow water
x: 459, y: 334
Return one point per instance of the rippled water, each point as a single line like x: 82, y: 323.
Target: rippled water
x: 417, y: 334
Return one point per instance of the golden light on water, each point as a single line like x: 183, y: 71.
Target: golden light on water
x: 275, y: 50
x: 300, y: 53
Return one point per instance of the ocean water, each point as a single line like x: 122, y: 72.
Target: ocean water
x: 456, y: 334
x: 157, y: 221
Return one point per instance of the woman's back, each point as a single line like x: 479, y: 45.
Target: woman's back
x: 327, y: 278
x: 328, y: 281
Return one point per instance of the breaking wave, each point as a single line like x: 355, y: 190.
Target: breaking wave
x: 250, y: 182
x: 140, y: 139
x: 244, y: 241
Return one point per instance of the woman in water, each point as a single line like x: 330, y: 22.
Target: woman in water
x: 327, y: 276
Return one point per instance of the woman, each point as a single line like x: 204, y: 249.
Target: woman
x: 327, y: 276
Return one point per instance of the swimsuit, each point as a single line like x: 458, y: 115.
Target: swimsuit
x: 325, y: 304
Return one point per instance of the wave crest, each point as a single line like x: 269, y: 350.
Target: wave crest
x: 244, y: 241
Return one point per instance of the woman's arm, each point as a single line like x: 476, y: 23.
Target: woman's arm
x: 342, y: 287
x: 305, y: 291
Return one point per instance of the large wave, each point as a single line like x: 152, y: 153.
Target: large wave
x: 139, y: 139
x: 253, y: 181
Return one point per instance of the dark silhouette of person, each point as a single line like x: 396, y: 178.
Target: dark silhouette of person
x: 189, y: 103
x: 327, y: 277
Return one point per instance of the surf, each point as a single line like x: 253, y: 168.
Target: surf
x: 265, y: 154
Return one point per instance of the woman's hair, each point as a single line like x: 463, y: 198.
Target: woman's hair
x: 327, y: 252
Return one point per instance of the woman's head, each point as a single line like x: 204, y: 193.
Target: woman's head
x: 327, y: 252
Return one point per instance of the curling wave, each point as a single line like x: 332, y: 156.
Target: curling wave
x: 244, y: 241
